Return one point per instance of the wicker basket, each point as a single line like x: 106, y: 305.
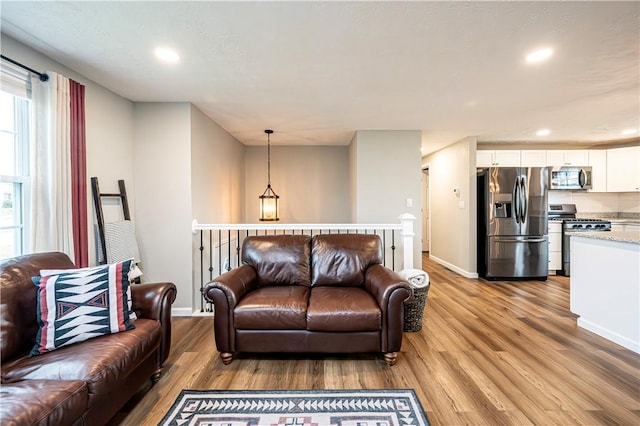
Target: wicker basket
x: 413, y: 311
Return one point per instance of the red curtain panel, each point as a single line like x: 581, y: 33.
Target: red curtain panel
x: 79, y: 175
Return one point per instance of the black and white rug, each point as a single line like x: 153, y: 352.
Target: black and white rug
x: 382, y: 407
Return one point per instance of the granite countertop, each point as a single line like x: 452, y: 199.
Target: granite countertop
x: 620, y: 236
x: 612, y: 217
x: 624, y: 221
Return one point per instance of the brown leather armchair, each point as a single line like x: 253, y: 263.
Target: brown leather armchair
x: 294, y: 293
x: 83, y: 383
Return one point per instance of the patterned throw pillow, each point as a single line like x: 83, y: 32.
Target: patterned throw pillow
x: 75, y: 305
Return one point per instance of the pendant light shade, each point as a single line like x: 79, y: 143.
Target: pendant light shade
x: 269, y: 200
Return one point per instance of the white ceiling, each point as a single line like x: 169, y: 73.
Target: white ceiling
x: 316, y: 72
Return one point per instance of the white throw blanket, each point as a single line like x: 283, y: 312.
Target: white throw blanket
x: 416, y: 277
x: 121, y: 244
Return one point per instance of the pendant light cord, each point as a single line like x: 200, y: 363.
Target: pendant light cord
x: 269, y: 159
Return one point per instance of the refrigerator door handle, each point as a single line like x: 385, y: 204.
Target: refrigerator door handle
x: 516, y: 198
x: 523, y: 201
x: 515, y: 240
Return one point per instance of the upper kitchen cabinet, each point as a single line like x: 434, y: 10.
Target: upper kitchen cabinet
x: 623, y: 173
x: 570, y: 157
x: 498, y: 158
x: 533, y: 158
x: 598, y: 163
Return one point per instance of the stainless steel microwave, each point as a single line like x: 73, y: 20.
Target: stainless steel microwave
x: 570, y: 177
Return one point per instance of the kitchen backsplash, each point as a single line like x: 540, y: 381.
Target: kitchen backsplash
x: 621, y: 205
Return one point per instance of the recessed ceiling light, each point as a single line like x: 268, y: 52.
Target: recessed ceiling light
x: 539, y: 55
x: 628, y: 132
x: 543, y: 132
x: 166, y: 54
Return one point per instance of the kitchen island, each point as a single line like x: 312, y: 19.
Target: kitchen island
x: 605, y: 285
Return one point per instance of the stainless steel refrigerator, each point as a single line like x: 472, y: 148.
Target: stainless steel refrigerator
x: 512, y: 223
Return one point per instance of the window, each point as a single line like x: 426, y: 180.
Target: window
x: 14, y: 161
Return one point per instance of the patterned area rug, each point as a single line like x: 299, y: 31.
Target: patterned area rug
x: 387, y: 407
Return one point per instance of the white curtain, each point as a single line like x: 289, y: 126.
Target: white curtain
x: 50, y: 167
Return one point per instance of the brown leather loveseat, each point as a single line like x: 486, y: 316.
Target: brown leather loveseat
x: 83, y: 383
x: 294, y: 293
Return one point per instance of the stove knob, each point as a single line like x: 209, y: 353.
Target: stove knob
x: 588, y: 226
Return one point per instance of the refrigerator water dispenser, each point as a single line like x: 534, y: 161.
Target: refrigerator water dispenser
x: 502, y: 209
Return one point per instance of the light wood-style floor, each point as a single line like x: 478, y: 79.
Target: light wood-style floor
x: 489, y: 353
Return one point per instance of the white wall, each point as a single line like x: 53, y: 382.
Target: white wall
x: 598, y: 202
x: 453, y: 218
x: 163, y: 195
x: 217, y: 184
x: 387, y: 173
x: 353, y: 176
x: 312, y: 182
x: 217, y: 172
x: 109, y: 132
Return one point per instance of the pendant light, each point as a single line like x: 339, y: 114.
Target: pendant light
x: 269, y: 206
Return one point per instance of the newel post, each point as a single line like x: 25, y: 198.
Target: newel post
x: 407, y: 234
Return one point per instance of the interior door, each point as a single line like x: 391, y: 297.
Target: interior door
x: 426, y: 215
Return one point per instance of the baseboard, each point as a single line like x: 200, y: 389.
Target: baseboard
x: 610, y: 335
x: 454, y: 268
x: 189, y: 312
x: 199, y: 313
x: 181, y: 312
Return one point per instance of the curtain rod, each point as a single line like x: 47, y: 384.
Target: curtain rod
x: 43, y: 76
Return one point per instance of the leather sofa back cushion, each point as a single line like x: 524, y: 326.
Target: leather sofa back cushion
x: 341, y: 259
x: 279, y: 259
x: 18, y: 295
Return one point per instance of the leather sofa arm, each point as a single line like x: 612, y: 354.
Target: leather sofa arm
x: 225, y: 291
x: 381, y: 282
x: 234, y: 284
x: 391, y: 291
x: 153, y: 301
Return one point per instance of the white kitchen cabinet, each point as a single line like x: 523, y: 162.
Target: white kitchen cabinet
x: 623, y: 172
x: 533, y: 158
x: 555, y: 245
x: 484, y: 158
x: 498, y: 158
x: 598, y: 163
x: 569, y: 157
x: 603, y: 289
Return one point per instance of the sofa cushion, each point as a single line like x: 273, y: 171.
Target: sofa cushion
x: 273, y: 308
x: 342, y: 309
x: 79, y: 304
x: 341, y: 259
x: 43, y: 402
x: 278, y: 259
x: 103, y: 363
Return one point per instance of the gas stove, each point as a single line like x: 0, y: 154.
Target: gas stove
x: 567, y: 214
x: 580, y: 224
x: 570, y: 225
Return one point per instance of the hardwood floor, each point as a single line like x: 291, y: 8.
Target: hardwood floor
x: 489, y: 353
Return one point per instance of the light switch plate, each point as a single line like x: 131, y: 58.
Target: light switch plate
x: 409, y: 202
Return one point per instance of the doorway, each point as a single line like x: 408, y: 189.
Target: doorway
x: 426, y: 214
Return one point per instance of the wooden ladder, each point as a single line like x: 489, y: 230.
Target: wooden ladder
x: 97, y: 201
